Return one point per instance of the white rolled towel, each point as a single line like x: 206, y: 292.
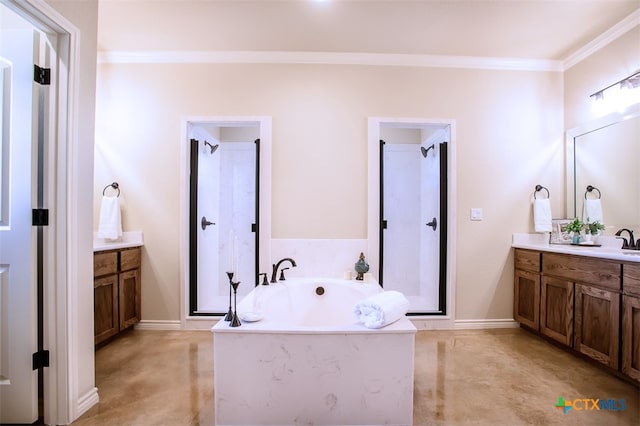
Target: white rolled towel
x: 381, y: 309
x: 542, y: 215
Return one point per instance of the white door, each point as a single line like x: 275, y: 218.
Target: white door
x: 18, y: 337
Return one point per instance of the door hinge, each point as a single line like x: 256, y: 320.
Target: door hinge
x: 384, y: 224
x: 253, y: 227
x: 40, y: 217
x: 40, y: 359
x: 42, y: 76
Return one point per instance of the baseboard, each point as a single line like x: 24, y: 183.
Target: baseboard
x: 86, y: 401
x: 158, y: 325
x: 485, y: 324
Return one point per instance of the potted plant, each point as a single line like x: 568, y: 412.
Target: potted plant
x: 594, y: 228
x: 575, y: 227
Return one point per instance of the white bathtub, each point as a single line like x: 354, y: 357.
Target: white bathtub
x: 308, y: 361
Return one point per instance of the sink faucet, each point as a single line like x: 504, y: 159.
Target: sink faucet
x: 631, y: 243
x: 274, y: 273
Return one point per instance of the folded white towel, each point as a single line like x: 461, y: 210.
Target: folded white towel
x: 542, y: 215
x: 110, y: 225
x: 592, y: 210
x: 381, y: 309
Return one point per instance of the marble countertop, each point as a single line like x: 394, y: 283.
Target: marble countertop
x: 609, y: 249
x: 128, y: 239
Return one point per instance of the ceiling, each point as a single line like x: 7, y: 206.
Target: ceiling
x: 521, y: 29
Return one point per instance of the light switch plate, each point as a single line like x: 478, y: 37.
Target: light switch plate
x: 476, y: 213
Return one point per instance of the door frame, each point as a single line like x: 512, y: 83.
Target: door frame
x: 373, y: 226
x: 264, y: 122
x: 62, y: 403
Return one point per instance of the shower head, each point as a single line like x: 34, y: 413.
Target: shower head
x: 213, y: 147
x: 425, y: 151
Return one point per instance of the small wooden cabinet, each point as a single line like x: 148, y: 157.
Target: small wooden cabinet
x: 556, y: 309
x: 527, y: 288
x: 597, y: 324
x: 117, y: 291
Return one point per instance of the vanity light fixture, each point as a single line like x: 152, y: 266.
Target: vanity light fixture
x: 617, y: 96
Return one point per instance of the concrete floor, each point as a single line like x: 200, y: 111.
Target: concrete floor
x: 464, y: 377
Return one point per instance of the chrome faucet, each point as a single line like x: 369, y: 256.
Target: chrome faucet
x: 274, y: 273
x: 631, y: 243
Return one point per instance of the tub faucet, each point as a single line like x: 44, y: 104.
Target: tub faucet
x: 631, y: 244
x: 274, y: 273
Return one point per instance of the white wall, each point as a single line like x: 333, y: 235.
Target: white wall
x: 509, y: 138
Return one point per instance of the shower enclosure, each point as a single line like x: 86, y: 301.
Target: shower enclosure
x: 413, y: 214
x: 224, y: 213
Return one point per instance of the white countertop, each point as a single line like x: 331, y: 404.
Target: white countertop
x: 610, y: 248
x: 128, y: 239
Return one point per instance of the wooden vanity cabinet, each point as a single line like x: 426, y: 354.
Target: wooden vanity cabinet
x: 117, y: 291
x: 526, y: 306
x: 588, y: 304
x: 630, y: 358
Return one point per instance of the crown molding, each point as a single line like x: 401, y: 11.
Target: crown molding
x: 326, y: 58
x: 602, y: 40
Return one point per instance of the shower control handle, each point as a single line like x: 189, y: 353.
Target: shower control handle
x: 433, y: 224
x: 204, y: 223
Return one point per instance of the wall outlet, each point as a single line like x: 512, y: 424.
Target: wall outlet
x: 476, y: 213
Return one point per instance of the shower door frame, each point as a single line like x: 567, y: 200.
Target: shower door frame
x: 438, y: 320
x: 263, y: 221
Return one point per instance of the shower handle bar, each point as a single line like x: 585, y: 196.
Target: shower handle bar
x: 204, y: 223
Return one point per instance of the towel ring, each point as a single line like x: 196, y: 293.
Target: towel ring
x: 591, y: 188
x: 114, y: 185
x: 538, y: 189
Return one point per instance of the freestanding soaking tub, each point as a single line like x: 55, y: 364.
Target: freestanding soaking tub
x: 307, y: 360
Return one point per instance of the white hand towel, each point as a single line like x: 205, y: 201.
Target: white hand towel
x: 542, y: 215
x: 592, y: 211
x: 110, y: 225
x: 381, y: 309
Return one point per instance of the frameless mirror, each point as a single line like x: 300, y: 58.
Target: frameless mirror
x: 606, y: 155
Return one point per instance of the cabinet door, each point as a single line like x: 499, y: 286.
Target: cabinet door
x: 556, y: 309
x: 597, y: 322
x: 105, y: 308
x: 631, y: 336
x: 526, y: 306
x: 129, y: 298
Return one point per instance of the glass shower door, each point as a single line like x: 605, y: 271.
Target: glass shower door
x: 413, y: 212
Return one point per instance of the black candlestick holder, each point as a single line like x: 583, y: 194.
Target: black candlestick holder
x: 235, y: 321
x: 229, y: 315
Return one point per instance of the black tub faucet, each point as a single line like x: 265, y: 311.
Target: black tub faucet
x: 274, y: 273
x: 631, y: 243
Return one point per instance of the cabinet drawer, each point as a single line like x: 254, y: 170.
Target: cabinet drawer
x: 581, y: 269
x: 130, y: 259
x: 105, y: 263
x: 631, y: 278
x: 527, y: 260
